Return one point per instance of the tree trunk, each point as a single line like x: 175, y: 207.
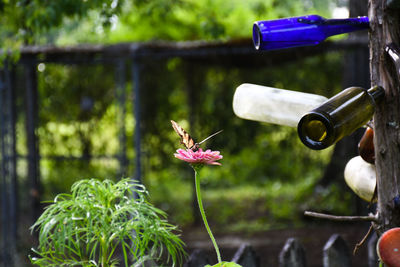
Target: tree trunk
x: 384, y: 29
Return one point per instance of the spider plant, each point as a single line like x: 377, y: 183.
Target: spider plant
x: 102, y: 223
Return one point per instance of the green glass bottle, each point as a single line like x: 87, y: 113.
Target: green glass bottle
x: 339, y: 116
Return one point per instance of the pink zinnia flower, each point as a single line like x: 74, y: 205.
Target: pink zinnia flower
x: 199, y: 157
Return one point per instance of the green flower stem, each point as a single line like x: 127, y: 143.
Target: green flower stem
x: 103, y: 246
x: 203, y: 214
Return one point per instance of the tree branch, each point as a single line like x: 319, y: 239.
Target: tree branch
x: 359, y: 244
x: 370, y: 218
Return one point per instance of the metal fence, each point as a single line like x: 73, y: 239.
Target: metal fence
x: 125, y: 58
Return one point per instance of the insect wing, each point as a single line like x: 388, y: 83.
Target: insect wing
x: 186, y: 139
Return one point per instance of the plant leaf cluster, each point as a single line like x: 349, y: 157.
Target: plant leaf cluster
x: 225, y: 264
x: 101, y: 222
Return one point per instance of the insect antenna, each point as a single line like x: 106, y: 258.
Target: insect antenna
x: 209, y: 137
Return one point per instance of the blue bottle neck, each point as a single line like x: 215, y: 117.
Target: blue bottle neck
x: 338, y: 26
x: 302, y: 31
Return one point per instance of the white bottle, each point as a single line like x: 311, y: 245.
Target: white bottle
x: 360, y: 176
x: 273, y: 105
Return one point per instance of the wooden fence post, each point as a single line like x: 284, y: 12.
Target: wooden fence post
x: 246, y: 256
x: 336, y: 252
x: 292, y: 254
x: 197, y: 259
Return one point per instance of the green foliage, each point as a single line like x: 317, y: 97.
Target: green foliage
x: 272, y: 151
x: 98, y: 220
x: 111, y: 21
x: 200, y: 19
x: 262, y: 159
x: 187, y: 20
x: 276, y: 204
x: 256, y: 156
x: 30, y: 21
x: 59, y: 175
x: 224, y: 264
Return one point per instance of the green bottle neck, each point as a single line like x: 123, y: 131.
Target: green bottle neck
x: 377, y: 93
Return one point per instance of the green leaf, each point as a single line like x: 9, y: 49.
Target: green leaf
x: 225, y: 264
x: 98, y: 218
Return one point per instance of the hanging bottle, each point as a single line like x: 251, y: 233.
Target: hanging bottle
x: 273, y: 105
x: 302, y: 31
x: 360, y: 176
x: 338, y: 117
x: 366, y: 147
x: 394, y: 53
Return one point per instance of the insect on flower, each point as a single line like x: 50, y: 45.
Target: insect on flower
x: 186, y: 139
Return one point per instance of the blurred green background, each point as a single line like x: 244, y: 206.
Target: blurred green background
x: 268, y: 176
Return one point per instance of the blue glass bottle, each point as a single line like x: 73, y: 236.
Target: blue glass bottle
x: 302, y: 31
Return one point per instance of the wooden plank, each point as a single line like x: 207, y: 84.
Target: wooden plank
x: 239, y: 53
x: 246, y: 256
x: 292, y: 254
x: 31, y: 98
x: 197, y: 259
x: 336, y: 252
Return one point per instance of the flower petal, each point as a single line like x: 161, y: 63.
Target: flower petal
x: 204, y: 157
